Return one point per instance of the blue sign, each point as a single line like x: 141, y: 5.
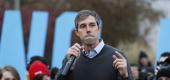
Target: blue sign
x: 164, y: 38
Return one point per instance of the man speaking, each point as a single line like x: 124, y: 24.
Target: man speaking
x: 93, y: 59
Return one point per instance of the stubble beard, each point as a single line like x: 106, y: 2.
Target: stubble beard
x: 90, y: 40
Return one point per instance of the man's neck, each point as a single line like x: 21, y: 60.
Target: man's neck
x: 89, y: 47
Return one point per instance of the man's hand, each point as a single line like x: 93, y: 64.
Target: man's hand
x: 120, y: 63
x: 74, y: 50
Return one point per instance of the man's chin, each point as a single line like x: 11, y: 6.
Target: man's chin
x: 89, y: 41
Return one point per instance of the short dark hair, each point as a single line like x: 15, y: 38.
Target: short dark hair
x: 83, y: 14
x: 164, y: 54
x: 39, y: 58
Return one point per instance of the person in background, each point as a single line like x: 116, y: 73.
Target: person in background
x: 164, y: 71
x: 146, y: 70
x: 38, y: 71
x: 163, y: 74
x: 36, y: 58
x: 9, y: 73
x: 164, y: 56
x: 39, y: 58
x: 54, y: 72
x: 135, y: 71
x: 41, y: 77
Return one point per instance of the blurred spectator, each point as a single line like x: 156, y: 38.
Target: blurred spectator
x: 9, y: 73
x: 164, y: 56
x: 36, y: 58
x: 39, y: 58
x: 135, y: 72
x: 54, y: 71
x: 164, y: 71
x: 146, y: 70
x: 163, y: 74
x: 38, y: 71
x: 41, y: 77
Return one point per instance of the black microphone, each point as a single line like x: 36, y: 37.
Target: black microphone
x: 64, y: 71
x: 68, y: 65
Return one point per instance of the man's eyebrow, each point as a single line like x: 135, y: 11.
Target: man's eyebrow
x: 92, y: 22
x: 83, y: 24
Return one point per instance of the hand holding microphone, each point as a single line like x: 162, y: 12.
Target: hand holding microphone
x: 73, y: 52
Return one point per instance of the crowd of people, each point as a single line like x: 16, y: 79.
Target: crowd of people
x: 92, y: 59
x: 146, y: 71
x: 38, y: 69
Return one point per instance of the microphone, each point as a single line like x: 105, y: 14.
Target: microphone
x: 64, y: 71
x: 68, y: 65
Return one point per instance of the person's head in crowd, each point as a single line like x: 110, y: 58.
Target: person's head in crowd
x: 54, y: 71
x: 41, y: 77
x: 163, y: 74
x: 165, y: 64
x: 164, y: 71
x: 9, y: 73
x: 39, y: 58
x: 135, y: 71
x: 146, y: 70
x: 143, y: 59
x: 38, y: 70
x: 164, y: 56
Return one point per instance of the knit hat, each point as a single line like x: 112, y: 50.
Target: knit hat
x: 143, y: 55
x: 37, y: 68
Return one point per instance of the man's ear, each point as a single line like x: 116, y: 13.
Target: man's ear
x: 99, y: 29
x: 76, y: 32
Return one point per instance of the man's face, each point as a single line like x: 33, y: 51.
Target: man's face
x: 7, y: 76
x: 88, y: 30
x: 144, y: 61
x: 135, y: 72
x: 164, y: 78
x: 46, y: 77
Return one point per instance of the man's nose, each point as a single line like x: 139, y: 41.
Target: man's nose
x: 88, y: 29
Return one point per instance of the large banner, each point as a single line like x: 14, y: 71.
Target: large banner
x: 12, y: 43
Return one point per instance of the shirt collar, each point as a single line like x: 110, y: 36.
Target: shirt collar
x: 99, y: 47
